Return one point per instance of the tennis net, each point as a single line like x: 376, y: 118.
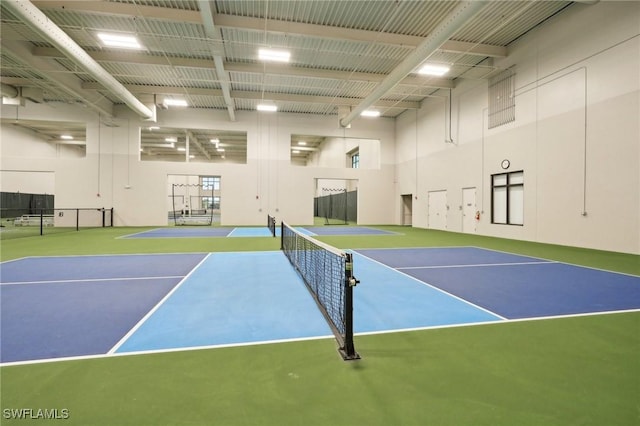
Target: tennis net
x: 328, y: 275
x: 271, y: 224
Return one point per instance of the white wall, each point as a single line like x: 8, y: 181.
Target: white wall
x: 576, y: 135
x: 111, y: 174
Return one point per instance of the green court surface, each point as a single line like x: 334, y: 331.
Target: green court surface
x: 582, y: 370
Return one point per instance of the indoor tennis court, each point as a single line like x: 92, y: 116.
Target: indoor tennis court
x: 335, y: 212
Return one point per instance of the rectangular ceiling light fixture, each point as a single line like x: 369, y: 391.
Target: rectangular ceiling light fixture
x: 434, y: 69
x: 175, y: 102
x: 119, y: 40
x: 370, y: 113
x: 274, y: 55
x: 267, y: 108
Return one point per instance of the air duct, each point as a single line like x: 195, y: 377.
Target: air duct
x: 448, y: 27
x: 9, y: 91
x: 38, y: 21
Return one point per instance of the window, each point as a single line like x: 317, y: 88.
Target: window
x: 210, y: 182
x: 210, y: 203
x: 355, y: 160
x: 507, y: 198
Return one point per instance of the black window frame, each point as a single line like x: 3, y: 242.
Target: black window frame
x: 508, y: 186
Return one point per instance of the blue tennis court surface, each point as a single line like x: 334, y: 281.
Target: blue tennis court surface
x: 203, y: 232
x: 206, y: 232
x: 182, y: 232
x: 513, y: 286
x: 342, y: 230
x: 58, y: 307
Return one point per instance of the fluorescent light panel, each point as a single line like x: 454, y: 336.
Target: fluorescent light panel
x: 370, y: 113
x: 119, y: 40
x: 66, y: 137
x: 267, y: 108
x: 434, y: 69
x: 274, y: 55
x: 175, y: 102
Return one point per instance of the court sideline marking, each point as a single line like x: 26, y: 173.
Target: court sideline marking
x: 89, y: 280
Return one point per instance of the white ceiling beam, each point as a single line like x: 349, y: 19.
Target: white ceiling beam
x: 452, y: 23
x: 273, y: 69
x: 214, y: 34
x: 117, y: 8
x: 173, y: 90
x: 324, y: 31
x: 272, y: 25
x: 196, y: 142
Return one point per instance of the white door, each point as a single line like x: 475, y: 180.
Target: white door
x: 469, y: 210
x: 437, y: 218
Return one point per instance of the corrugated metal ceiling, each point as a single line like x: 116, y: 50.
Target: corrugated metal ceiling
x: 340, y: 49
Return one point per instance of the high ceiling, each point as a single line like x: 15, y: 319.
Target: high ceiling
x: 345, y: 55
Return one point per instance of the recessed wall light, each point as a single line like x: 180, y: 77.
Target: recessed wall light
x: 434, y: 69
x: 274, y: 55
x: 119, y: 40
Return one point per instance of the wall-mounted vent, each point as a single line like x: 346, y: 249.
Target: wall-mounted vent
x: 502, y: 100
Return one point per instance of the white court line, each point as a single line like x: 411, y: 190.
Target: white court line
x: 155, y: 308
x: 562, y: 262
x: 302, y: 339
x: 477, y: 265
x: 90, y: 280
x: 434, y: 287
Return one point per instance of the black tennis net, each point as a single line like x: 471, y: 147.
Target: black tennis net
x: 271, y: 224
x: 328, y: 275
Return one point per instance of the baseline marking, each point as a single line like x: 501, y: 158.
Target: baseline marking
x: 478, y: 265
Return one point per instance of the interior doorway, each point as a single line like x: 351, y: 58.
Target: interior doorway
x: 407, y: 209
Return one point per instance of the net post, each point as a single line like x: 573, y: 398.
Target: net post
x: 349, y: 351
x: 77, y: 219
x: 41, y: 221
x: 282, y: 235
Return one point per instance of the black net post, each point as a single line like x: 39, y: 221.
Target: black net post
x: 349, y: 351
x: 41, y: 221
x: 77, y: 219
